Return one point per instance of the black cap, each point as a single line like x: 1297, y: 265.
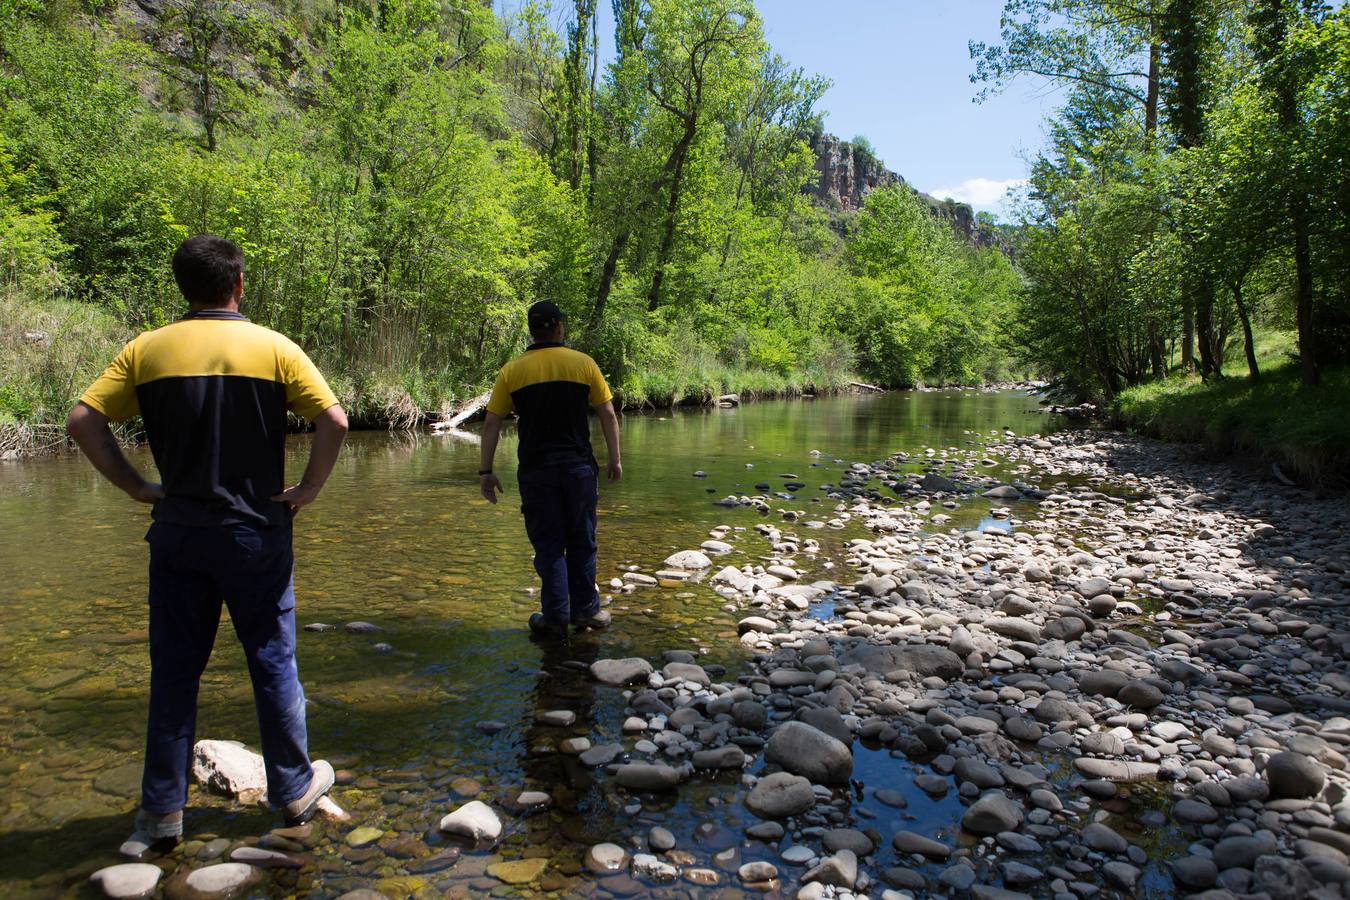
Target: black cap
x: 545, y: 314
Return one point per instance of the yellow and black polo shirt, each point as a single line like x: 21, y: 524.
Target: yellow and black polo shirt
x: 213, y: 389
x: 550, y: 388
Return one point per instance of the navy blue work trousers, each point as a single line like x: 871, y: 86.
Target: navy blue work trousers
x: 192, y: 571
x: 558, y: 501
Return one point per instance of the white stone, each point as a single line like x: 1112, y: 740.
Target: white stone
x: 224, y: 878
x: 474, y: 820
x: 231, y: 769
x: 689, y: 559
x: 127, y: 881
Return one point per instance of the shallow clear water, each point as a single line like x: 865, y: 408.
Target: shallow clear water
x: 401, y: 539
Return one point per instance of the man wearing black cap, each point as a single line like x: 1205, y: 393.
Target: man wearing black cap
x: 550, y: 388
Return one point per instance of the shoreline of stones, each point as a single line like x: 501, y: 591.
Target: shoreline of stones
x: 1154, y: 625
x: 1143, y: 629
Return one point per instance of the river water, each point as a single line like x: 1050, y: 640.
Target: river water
x: 401, y: 539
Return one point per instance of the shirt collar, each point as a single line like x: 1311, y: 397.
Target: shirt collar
x: 231, y: 315
x: 544, y: 345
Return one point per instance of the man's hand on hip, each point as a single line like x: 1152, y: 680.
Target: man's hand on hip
x: 300, y: 495
x: 148, y: 492
x: 490, y: 486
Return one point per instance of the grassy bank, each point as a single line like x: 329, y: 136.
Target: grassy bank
x: 1306, y: 430
x: 51, y: 348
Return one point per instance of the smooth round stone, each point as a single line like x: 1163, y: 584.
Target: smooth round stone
x: 127, y: 880
x: 780, y: 794
x: 910, y: 842
x: 894, y: 798
x: 1193, y: 812
x: 518, y: 871
x: 757, y: 872
x: 660, y: 839
x: 364, y: 835
x: 604, y: 858
x: 850, y: 839
x: 798, y: 855
x: 223, y: 879
x: 474, y: 820
x: 1104, y: 838
x: 1194, y: 872
x: 992, y: 813
x: 1294, y: 775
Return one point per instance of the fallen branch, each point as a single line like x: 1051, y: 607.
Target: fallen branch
x: 466, y: 412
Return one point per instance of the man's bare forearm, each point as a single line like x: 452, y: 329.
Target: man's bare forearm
x: 609, y: 426
x: 330, y: 430
x: 89, y: 429
x: 492, y: 431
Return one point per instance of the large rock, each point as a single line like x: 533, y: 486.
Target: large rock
x: 230, y: 769
x: 1104, y: 838
x: 1103, y: 682
x: 992, y: 813
x: 779, y: 795
x: 689, y: 560
x: 828, y: 720
x: 474, y: 820
x: 912, y: 842
x: 1140, y: 694
x: 1016, y: 628
x: 1065, y: 628
x: 803, y: 750
x: 935, y: 482
x: 840, y: 870
x: 922, y: 659
x: 219, y: 881
x: 643, y: 777
x: 1118, y: 770
x: 727, y: 757
x: 618, y: 672
x: 127, y: 881
x: 1292, y: 774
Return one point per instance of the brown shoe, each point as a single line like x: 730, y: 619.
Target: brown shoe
x: 302, y: 808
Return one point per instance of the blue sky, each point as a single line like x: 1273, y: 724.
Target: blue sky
x: 901, y: 74
x: 900, y: 71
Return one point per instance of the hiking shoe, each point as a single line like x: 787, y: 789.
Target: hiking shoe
x: 302, y: 808
x: 543, y: 630
x: 159, y: 832
x: 599, y: 620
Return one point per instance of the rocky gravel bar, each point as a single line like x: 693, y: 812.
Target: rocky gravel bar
x: 1132, y: 679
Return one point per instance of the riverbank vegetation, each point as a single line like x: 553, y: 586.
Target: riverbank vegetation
x: 1276, y: 416
x: 406, y: 176
x: 1193, y: 193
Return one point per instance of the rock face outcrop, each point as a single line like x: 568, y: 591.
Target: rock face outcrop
x: 848, y: 173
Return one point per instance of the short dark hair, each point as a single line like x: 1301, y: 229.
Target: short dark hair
x: 206, y: 268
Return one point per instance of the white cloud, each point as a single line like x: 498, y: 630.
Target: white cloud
x: 981, y: 193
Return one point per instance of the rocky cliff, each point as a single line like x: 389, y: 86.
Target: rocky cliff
x: 847, y: 174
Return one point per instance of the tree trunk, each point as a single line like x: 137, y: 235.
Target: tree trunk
x: 1307, y: 335
x: 672, y: 212
x: 1248, y: 345
x: 1187, y: 337
x: 1151, y: 100
x: 607, y: 280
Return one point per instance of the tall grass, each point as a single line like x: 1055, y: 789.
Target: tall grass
x: 50, y: 350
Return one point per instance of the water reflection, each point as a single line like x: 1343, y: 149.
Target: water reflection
x: 400, y: 539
